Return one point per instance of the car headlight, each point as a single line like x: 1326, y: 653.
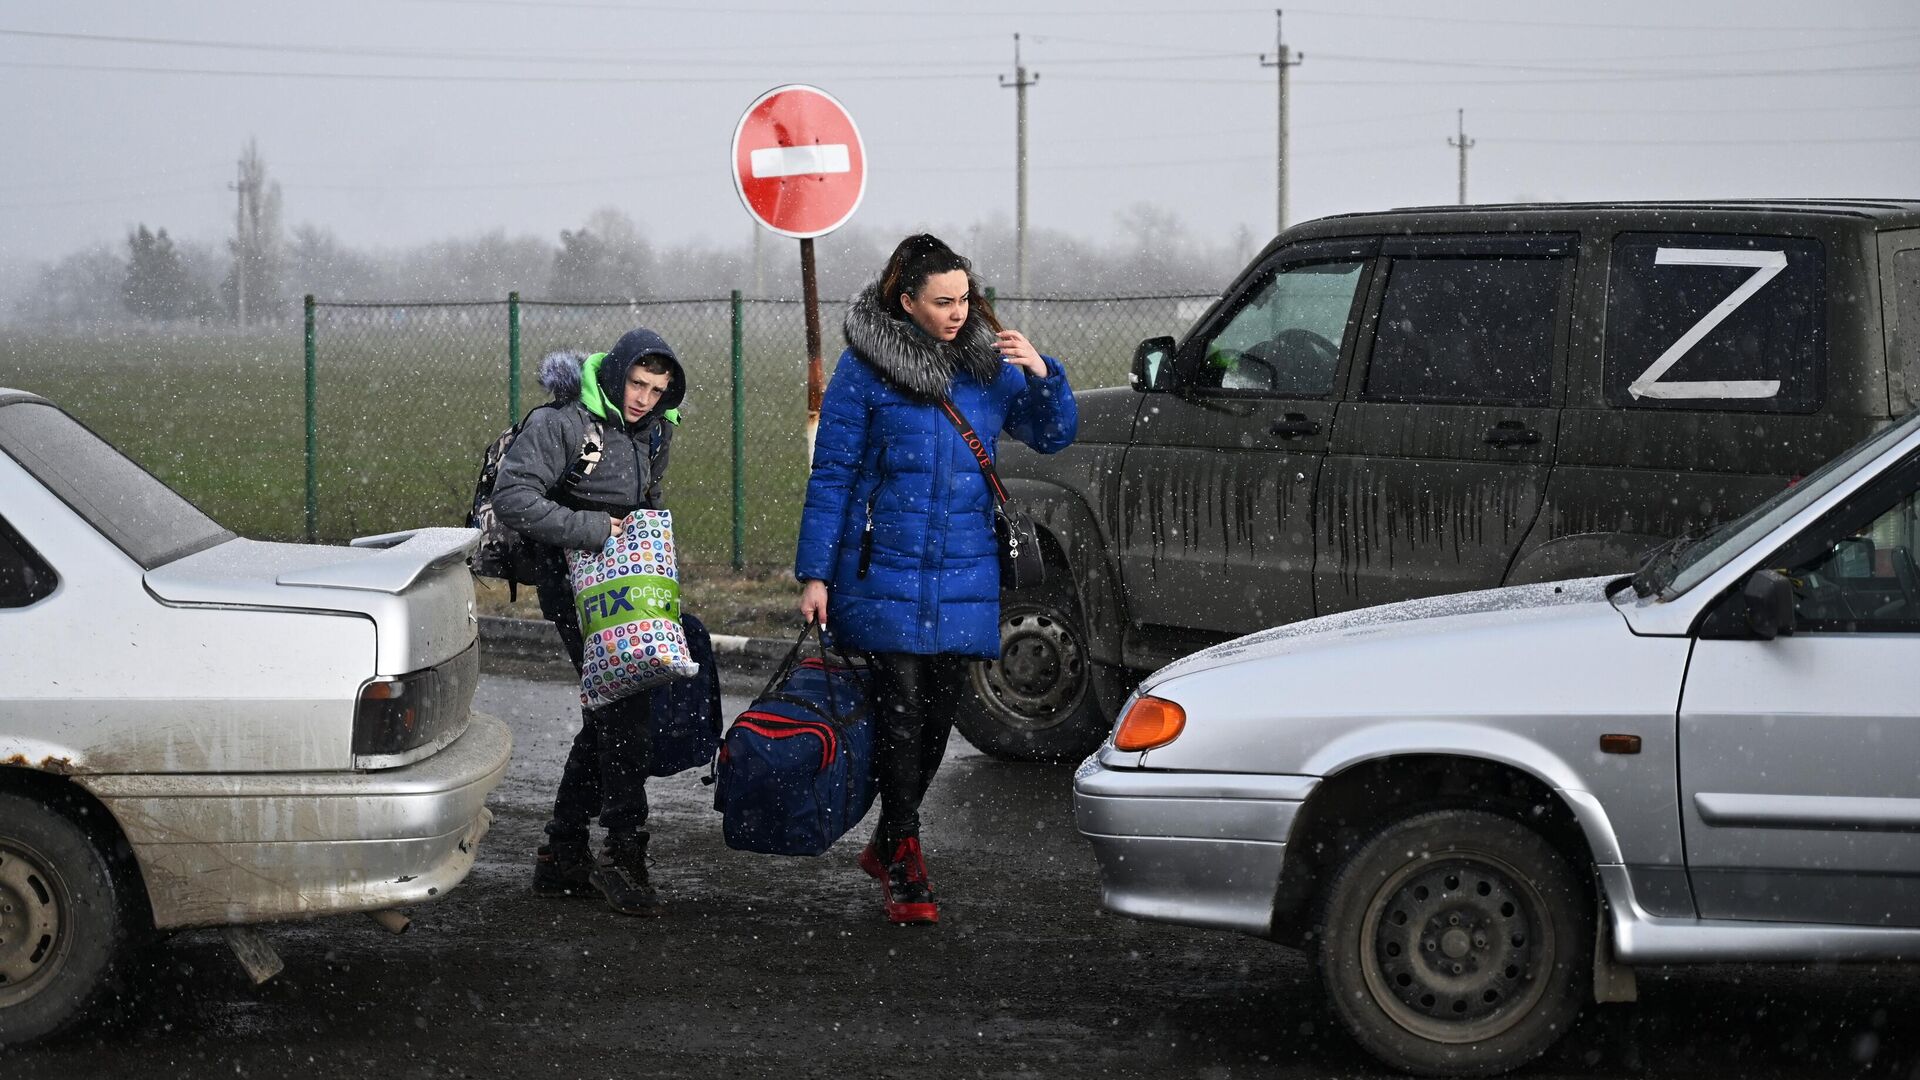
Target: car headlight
x: 402, y: 718
x: 1149, y: 723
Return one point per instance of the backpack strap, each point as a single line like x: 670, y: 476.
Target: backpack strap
x: 593, y: 442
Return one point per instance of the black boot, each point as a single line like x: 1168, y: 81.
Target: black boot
x: 621, y: 876
x: 561, y: 869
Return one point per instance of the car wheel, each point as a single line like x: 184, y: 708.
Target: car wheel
x: 1455, y: 943
x: 61, y: 926
x: 1045, y: 699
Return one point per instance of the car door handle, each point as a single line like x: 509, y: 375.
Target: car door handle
x: 1294, y: 426
x: 1512, y: 433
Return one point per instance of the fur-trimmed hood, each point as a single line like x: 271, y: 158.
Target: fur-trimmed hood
x: 909, y: 360
x: 560, y: 373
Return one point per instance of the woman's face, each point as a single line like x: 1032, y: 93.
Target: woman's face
x: 941, y: 307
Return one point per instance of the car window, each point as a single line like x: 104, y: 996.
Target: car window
x: 1906, y: 318
x: 1286, y: 338
x: 1716, y: 322
x: 1682, y: 566
x: 25, y: 577
x: 1864, y: 582
x: 1466, y: 330
x: 143, y: 517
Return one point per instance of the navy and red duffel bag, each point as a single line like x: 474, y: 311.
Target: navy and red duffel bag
x: 795, y: 770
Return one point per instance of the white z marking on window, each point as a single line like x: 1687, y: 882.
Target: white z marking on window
x: 1765, y: 264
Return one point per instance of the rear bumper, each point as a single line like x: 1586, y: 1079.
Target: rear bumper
x: 1200, y: 849
x: 220, y: 850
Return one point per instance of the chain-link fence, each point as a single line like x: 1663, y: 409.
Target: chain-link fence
x: 399, y: 400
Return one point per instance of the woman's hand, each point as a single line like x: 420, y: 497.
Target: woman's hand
x: 1015, y: 349
x: 813, y: 602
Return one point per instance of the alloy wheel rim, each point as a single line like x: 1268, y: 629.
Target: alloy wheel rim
x: 33, y: 930
x: 1455, y: 948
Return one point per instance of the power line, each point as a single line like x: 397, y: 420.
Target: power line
x: 1537, y: 62
x: 1659, y: 28
x: 1841, y: 141
x: 626, y: 61
x: 808, y: 11
x: 1547, y: 64
x: 557, y: 80
x: 1880, y: 70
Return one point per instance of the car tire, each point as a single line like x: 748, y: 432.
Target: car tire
x: 62, y: 921
x: 1045, y: 698
x: 1455, y: 943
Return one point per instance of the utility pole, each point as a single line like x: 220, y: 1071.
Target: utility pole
x: 1281, y: 61
x: 240, y: 186
x: 1462, y: 144
x: 1021, y: 80
x: 759, y: 282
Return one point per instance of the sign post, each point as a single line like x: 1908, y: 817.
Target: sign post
x: 800, y: 170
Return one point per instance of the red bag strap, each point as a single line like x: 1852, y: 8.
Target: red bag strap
x: 975, y: 444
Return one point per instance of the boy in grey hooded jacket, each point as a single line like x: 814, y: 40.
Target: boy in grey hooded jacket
x: 623, y: 401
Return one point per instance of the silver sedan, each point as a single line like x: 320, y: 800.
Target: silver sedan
x: 202, y: 730
x: 1478, y: 812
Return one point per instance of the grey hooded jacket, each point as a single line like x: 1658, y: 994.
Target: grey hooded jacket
x: 630, y: 470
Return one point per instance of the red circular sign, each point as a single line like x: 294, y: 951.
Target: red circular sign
x: 798, y: 163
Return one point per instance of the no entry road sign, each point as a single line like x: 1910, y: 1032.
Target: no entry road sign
x: 798, y: 163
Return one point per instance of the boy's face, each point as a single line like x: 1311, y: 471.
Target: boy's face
x: 643, y: 392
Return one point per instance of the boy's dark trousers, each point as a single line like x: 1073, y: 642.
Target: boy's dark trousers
x: 606, y: 771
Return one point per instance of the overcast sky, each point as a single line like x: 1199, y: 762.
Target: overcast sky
x: 398, y: 121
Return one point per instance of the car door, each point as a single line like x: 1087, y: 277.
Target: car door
x: 1215, y: 524
x: 1800, y: 756
x: 1438, y: 461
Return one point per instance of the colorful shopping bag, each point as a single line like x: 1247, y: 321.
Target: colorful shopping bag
x: 627, y: 595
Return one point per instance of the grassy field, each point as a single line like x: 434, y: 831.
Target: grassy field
x: 408, y: 398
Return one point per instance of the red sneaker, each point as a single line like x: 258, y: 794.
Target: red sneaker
x: 872, y: 863
x: 908, y: 894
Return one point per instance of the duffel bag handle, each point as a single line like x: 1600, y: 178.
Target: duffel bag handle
x: 792, y: 660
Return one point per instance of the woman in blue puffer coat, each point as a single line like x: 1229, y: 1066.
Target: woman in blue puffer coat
x: 897, y: 535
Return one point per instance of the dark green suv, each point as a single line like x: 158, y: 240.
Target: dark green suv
x: 1393, y: 405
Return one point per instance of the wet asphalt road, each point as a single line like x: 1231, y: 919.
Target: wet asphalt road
x: 778, y: 967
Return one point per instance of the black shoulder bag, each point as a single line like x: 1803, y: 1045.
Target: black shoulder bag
x: 1014, y: 533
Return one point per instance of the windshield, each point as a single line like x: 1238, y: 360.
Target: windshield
x: 143, y: 517
x: 1681, y: 564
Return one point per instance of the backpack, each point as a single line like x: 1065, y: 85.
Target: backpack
x: 503, y: 551
x: 795, y: 771
x: 685, y: 713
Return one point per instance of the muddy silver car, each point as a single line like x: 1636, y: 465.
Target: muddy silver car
x: 1477, y: 812
x: 202, y: 730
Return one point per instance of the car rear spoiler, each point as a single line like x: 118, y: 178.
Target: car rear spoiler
x: 399, y: 560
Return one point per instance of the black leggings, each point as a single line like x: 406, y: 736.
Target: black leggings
x: 913, y: 702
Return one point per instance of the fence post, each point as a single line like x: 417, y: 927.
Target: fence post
x: 739, y: 439
x: 313, y: 434
x: 513, y: 357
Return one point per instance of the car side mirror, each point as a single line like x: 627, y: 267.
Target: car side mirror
x: 1153, y: 366
x: 1768, y: 599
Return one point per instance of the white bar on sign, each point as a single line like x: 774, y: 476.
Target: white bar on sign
x: 775, y: 161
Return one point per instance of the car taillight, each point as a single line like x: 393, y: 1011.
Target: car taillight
x: 397, y: 714
x: 1149, y: 723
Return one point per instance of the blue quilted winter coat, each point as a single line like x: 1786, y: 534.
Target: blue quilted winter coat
x: 885, y: 453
